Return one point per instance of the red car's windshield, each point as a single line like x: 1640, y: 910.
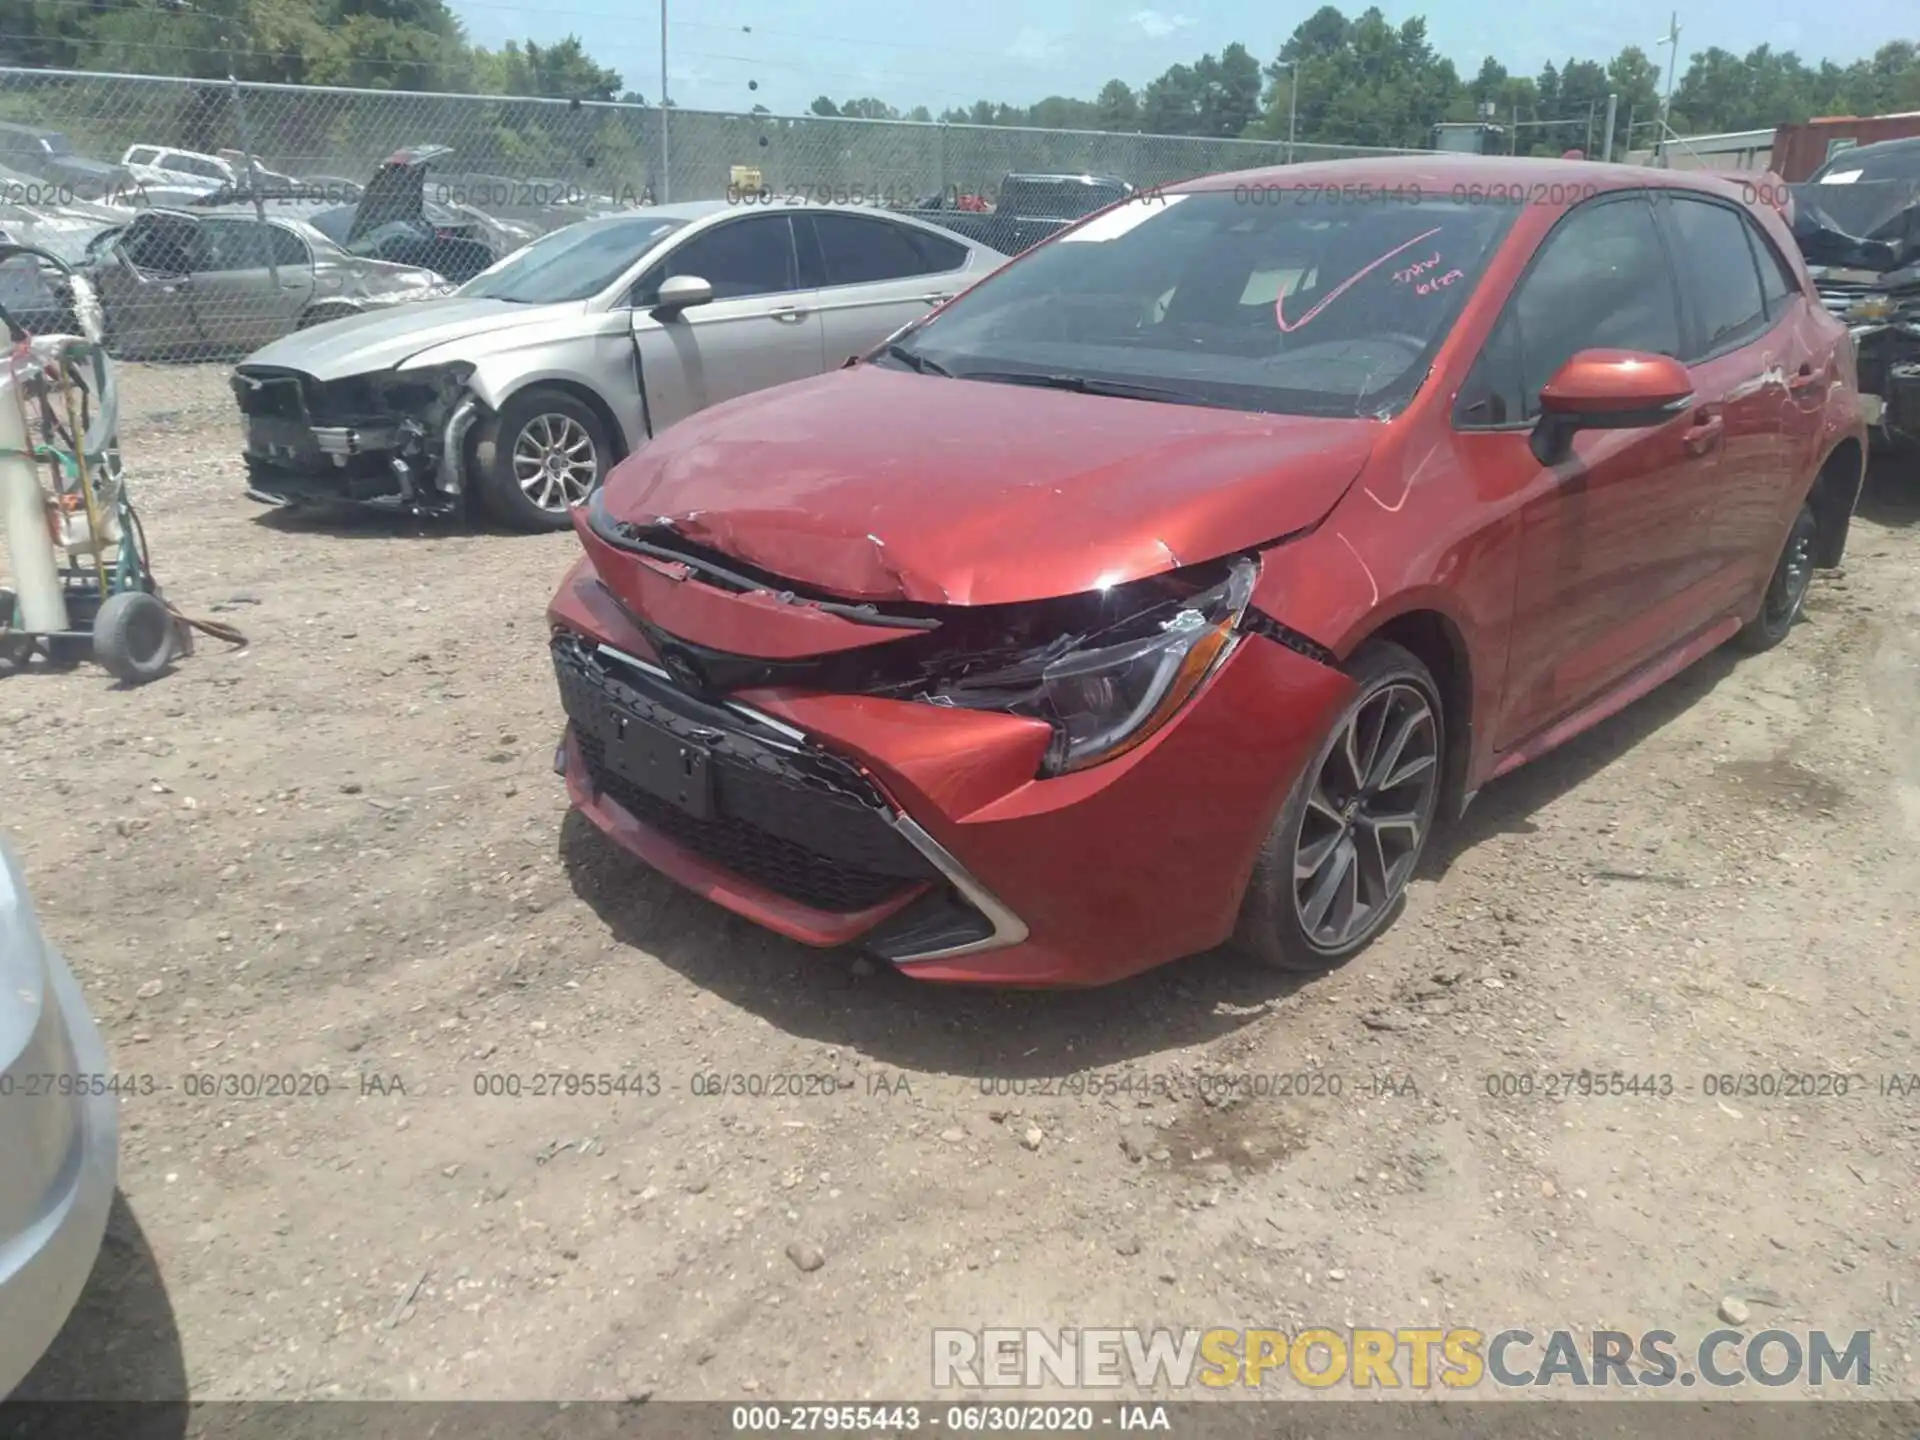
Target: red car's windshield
x: 1260, y: 298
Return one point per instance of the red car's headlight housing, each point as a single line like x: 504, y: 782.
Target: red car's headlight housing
x: 1106, y: 695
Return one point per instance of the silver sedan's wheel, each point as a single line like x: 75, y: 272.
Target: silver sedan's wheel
x: 555, y: 461
x: 1366, y: 818
x: 541, y: 458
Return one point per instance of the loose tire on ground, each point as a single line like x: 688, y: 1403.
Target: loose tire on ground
x: 133, y: 636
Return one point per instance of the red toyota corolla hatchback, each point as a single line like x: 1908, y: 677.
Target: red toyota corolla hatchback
x: 1169, y: 586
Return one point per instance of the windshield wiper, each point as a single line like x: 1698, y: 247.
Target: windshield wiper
x: 915, y: 361
x: 1080, y: 384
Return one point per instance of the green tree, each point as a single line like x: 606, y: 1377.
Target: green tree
x: 1117, y: 107
x: 561, y: 71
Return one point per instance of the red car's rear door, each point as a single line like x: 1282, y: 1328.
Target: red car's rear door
x: 1748, y: 353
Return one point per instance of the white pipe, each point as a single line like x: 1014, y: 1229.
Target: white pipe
x: 23, y: 513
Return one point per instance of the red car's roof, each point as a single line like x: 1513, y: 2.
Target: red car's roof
x: 1436, y: 173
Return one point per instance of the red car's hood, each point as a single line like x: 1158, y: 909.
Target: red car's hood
x: 881, y: 485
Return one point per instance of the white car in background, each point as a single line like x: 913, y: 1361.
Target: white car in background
x: 173, y: 169
x: 59, y: 1135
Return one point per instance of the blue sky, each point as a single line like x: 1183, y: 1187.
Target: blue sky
x: 910, y: 52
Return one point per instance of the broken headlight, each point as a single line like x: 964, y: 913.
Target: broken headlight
x: 1107, y: 693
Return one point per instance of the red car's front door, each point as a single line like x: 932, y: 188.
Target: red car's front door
x: 1608, y: 539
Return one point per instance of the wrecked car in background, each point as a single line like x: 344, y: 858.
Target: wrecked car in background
x: 1026, y: 210
x: 395, y: 220
x: 524, y: 387
x: 221, y: 281
x: 34, y: 294
x: 50, y: 156
x: 1857, y: 222
x: 391, y: 217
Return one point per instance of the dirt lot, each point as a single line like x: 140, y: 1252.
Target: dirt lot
x: 342, y: 852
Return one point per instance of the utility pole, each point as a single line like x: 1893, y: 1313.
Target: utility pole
x: 1293, y: 99
x: 1613, y: 110
x: 666, y: 165
x: 1293, y: 95
x: 1666, y: 101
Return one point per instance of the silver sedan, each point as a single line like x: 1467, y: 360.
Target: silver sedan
x: 540, y: 373
x: 59, y: 1135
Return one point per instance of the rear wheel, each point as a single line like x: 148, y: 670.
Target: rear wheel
x: 1335, y: 866
x: 1787, y: 590
x: 549, y: 451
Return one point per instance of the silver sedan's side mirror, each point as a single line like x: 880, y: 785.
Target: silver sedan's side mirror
x: 682, y: 292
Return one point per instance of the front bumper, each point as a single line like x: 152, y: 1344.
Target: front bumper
x: 398, y: 461
x: 943, y: 854
x: 1888, y: 359
x: 48, y: 1247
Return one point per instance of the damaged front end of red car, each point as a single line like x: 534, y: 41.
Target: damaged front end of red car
x: 1021, y: 793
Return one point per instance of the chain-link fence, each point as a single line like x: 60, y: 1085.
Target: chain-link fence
x: 214, y: 190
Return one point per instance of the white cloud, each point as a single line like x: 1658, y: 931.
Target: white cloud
x: 1156, y: 25
x: 1033, y: 46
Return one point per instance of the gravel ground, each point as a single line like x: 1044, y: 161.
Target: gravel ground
x: 341, y: 852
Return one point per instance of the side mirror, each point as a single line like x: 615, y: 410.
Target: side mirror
x: 682, y: 292
x: 1608, y: 390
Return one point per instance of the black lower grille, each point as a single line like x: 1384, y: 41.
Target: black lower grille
x: 801, y: 824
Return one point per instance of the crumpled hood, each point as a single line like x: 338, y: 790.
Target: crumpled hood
x: 875, y: 484
x: 1867, y: 225
x: 360, y: 344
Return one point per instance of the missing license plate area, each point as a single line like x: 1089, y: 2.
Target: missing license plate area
x: 661, y: 763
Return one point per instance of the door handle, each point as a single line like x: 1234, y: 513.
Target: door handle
x: 789, y: 316
x: 936, y: 299
x: 1705, y: 433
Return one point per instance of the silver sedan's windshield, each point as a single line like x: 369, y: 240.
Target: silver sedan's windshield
x: 1265, y: 297
x: 571, y: 264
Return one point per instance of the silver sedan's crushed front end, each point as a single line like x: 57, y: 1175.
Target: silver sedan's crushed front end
x: 59, y: 1135
x: 390, y: 438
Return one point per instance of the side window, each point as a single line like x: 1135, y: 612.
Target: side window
x: 139, y: 156
x: 739, y: 258
x: 164, y: 246
x: 288, y: 248
x: 942, y: 256
x: 860, y: 251
x: 1717, y: 270
x: 1601, y: 281
x: 1777, y: 282
x: 1493, y: 394
x: 235, y: 245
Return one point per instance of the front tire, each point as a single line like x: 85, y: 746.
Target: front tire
x: 1786, y: 590
x: 1333, y: 871
x: 549, y: 451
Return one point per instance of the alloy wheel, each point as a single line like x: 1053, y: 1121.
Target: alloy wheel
x: 554, y: 461
x: 1366, y: 817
